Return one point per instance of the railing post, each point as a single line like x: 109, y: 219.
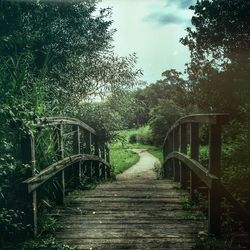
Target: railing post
x: 194, y: 150
x: 103, y: 172
x: 60, y: 150
x: 76, y: 150
x: 171, y: 148
x: 176, y: 165
x: 88, y: 138
x: 108, y: 160
x: 214, y: 196
x: 183, y: 149
x: 96, y: 163
x: 28, y: 157
x: 164, y: 152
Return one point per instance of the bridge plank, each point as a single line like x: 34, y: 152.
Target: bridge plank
x: 131, y: 214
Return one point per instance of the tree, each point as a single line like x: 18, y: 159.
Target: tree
x: 220, y: 50
x: 221, y: 31
x: 54, y: 55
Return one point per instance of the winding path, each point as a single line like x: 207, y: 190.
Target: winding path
x: 135, y: 212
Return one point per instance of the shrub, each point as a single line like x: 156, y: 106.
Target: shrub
x: 132, y: 139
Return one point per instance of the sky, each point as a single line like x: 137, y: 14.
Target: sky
x: 152, y: 29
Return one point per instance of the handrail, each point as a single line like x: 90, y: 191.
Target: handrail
x: 195, y: 166
x: 189, y: 172
x: 52, y: 121
x: 36, y: 181
x: 92, y: 152
x: 218, y: 118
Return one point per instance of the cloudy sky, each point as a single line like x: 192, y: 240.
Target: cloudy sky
x: 151, y: 29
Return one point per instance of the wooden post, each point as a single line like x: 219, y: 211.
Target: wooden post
x: 176, y: 165
x: 194, y: 148
x: 214, y: 196
x: 96, y: 164
x: 170, y: 148
x: 88, y: 164
x: 165, y: 150
x: 34, y: 209
x: 107, y: 154
x: 28, y: 157
x: 183, y: 149
x: 103, y: 170
x: 28, y: 151
x: 60, y: 150
x: 108, y: 160
x: 76, y: 150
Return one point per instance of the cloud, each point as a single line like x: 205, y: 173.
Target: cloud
x: 185, y: 4
x: 164, y: 18
x: 170, y: 12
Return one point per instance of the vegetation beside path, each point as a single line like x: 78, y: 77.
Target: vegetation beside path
x: 122, y: 157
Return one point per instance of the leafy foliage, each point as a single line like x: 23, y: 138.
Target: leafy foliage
x: 44, y: 244
x: 54, y: 56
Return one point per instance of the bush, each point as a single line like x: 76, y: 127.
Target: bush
x: 132, y: 139
x: 162, y: 118
x: 145, y: 138
x: 11, y: 225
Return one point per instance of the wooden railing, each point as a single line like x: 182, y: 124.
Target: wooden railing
x: 87, y: 157
x: 184, y: 166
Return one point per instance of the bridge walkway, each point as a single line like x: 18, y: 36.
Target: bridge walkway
x: 137, y: 211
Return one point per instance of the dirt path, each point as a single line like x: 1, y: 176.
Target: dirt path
x: 143, y: 169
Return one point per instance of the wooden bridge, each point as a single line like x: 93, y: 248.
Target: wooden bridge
x: 141, y: 213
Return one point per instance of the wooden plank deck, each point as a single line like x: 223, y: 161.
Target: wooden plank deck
x: 128, y: 214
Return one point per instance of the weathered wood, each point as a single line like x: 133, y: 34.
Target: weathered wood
x: 28, y: 157
x: 88, y: 165
x: 214, y: 196
x: 102, y: 166
x: 53, y: 121
x: 107, y: 158
x: 194, y: 154
x: 121, y: 219
x: 73, y: 162
x: 195, y: 167
x: 176, y: 165
x: 210, y: 177
x: 170, y: 163
x: 55, y: 168
x: 214, y: 199
x: 183, y: 148
x: 28, y: 151
x: 220, y: 118
x: 96, y: 165
x: 215, y: 150
x: 61, y: 193
x: 34, y: 209
x: 77, y: 150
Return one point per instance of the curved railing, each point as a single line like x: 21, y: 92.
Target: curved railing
x: 184, y: 166
x: 75, y: 150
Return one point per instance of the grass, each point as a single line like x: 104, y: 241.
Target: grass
x: 122, y: 157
